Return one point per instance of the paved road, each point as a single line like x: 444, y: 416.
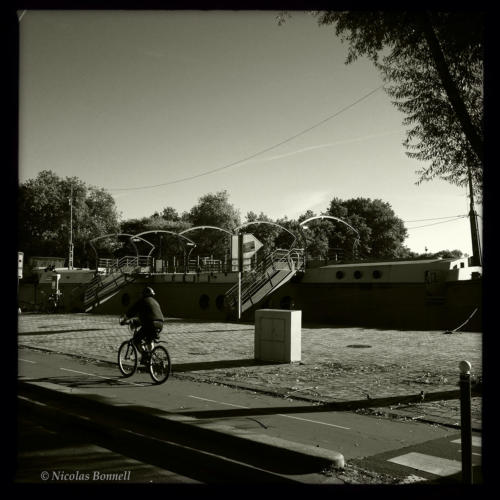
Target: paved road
x: 395, y: 448
x: 52, y: 456
x: 340, y: 365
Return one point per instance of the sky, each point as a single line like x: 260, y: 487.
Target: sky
x: 162, y: 107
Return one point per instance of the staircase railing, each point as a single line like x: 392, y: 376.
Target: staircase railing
x: 133, y: 262
x: 119, y: 273
x: 280, y: 264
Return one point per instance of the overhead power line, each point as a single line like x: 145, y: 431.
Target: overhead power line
x: 274, y: 146
x: 436, y: 223
x: 436, y: 218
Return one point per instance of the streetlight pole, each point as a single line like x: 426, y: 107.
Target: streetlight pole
x: 476, y: 248
x: 70, y: 260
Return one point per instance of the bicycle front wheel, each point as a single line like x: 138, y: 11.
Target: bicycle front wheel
x: 127, y: 358
x: 159, y: 364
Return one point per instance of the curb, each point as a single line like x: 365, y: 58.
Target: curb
x: 265, y: 456
x: 373, y: 406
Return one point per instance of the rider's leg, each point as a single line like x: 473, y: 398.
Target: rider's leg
x: 147, y: 337
x: 157, y: 328
x: 138, y: 338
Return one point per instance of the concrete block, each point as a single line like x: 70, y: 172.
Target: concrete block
x: 278, y: 335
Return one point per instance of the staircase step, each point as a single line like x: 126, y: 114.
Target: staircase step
x: 276, y: 270
x: 108, y: 286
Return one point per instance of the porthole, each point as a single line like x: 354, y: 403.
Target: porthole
x: 358, y: 274
x: 339, y: 275
x: 377, y: 274
x: 219, y: 302
x: 125, y: 299
x: 204, y: 301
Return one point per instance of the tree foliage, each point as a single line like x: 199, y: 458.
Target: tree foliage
x: 169, y: 214
x: 315, y: 236
x: 272, y: 234
x: 432, y: 63
x: 44, y: 217
x: 381, y: 232
x: 213, y: 210
x: 44, y: 221
x: 161, y: 232
x: 152, y: 223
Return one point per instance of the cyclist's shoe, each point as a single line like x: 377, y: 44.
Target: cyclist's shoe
x: 144, y: 359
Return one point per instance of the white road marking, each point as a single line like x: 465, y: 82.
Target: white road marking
x: 476, y: 441
x: 218, y: 402
x: 428, y: 463
x: 27, y: 361
x: 314, y: 421
x: 81, y: 373
x: 278, y: 414
x: 31, y: 400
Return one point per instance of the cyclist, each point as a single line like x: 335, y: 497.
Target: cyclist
x: 148, y: 310
x: 55, y: 301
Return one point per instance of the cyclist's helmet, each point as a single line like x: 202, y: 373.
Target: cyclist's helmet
x: 148, y: 292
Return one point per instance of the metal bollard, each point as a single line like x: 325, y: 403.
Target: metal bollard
x: 466, y: 421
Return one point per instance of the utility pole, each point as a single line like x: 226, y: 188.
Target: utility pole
x: 476, y: 259
x: 240, y: 270
x: 70, y: 260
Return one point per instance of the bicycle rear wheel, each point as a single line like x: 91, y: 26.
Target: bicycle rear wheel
x: 159, y: 364
x: 127, y: 358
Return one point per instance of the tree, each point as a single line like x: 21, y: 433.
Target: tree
x: 315, y: 236
x: 433, y: 63
x: 154, y: 222
x: 213, y: 210
x: 381, y: 232
x: 44, y: 216
x: 446, y: 254
x: 269, y: 234
x: 166, y: 245
x: 170, y: 213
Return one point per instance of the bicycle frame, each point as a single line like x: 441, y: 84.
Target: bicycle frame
x: 133, y: 327
x: 156, y: 358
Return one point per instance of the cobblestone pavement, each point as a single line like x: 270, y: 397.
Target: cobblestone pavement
x: 339, y: 365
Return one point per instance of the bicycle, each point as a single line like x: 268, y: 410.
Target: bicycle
x: 54, y: 303
x: 157, y: 358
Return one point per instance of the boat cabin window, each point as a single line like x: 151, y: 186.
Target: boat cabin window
x: 204, y: 301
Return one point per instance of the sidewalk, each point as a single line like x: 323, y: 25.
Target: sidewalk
x: 366, y: 370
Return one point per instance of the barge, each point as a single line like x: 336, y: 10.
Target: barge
x: 430, y: 294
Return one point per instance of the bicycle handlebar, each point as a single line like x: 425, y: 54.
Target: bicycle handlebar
x: 129, y: 321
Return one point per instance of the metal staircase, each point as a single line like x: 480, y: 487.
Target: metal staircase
x: 274, y: 271
x: 119, y: 273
